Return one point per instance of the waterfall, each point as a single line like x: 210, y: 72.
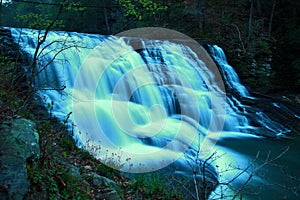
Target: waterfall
x: 230, y: 75
x: 122, y: 100
x: 234, y: 86
x: 140, y: 110
x: 126, y: 98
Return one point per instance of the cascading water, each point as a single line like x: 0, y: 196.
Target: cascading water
x: 234, y: 86
x: 230, y: 75
x: 157, y: 106
x: 123, y: 101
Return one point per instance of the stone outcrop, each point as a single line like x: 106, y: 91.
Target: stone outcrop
x: 19, y: 142
x: 98, y: 181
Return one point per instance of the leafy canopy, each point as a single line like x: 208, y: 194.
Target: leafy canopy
x: 137, y: 7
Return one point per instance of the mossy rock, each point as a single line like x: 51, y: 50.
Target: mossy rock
x: 19, y: 142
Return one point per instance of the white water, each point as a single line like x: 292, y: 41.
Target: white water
x: 230, y: 75
x: 142, y: 111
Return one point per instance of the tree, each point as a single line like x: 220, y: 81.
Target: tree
x: 105, y: 17
x: 250, y: 27
x: 271, y: 18
x: 201, y: 14
x: 43, y: 25
x: 286, y: 63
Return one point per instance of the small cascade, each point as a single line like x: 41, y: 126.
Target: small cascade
x: 260, y: 121
x: 230, y: 76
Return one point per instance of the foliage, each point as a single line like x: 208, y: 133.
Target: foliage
x: 12, y: 76
x: 55, y: 171
x: 50, y: 172
x: 39, y: 20
x: 286, y: 63
x: 138, y: 8
x: 153, y: 185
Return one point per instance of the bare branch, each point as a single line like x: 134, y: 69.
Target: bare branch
x: 266, y: 162
x: 239, y: 34
x: 42, y: 39
x: 52, y: 59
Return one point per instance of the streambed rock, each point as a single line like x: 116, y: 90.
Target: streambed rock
x: 108, y: 187
x: 19, y: 141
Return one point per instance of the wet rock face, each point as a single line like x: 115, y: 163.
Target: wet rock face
x: 19, y: 141
x: 7, y: 45
x: 14, y: 63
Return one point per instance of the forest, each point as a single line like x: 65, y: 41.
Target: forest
x: 260, y: 37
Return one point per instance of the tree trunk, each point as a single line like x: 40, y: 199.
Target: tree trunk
x: 1, y: 13
x: 250, y: 45
x: 200, y: 15
x: 105, y: 18
x: 271, y: 18
x: 258, y: 8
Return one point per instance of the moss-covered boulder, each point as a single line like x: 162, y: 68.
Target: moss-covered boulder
x: 19, y: 142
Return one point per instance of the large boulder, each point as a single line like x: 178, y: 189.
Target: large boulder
x: 19, y: 141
